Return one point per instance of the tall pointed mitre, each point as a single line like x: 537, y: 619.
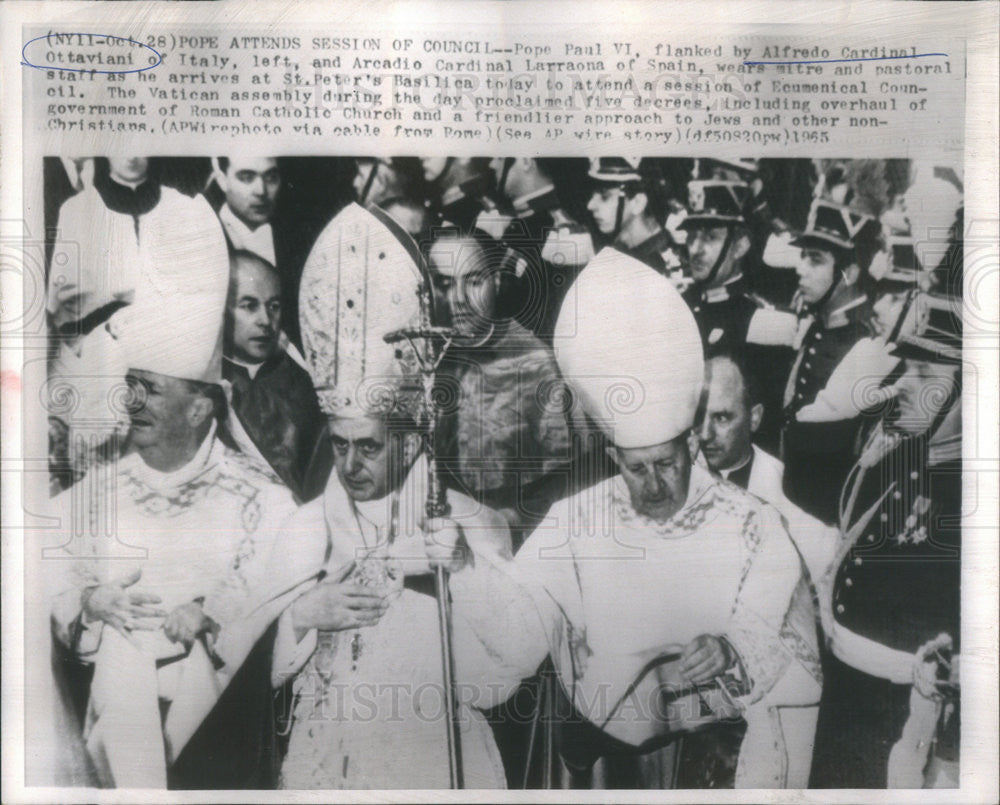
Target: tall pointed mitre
x: 175, y: 325
x: 359, y: 284
x: 629, y: 347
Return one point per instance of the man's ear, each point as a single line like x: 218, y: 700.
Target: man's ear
x: 851, y: 273
x: 638, y: 203
x: 612, y: 452
x: 756, y: 415
x: 218, y: 174
x: 200, y: 409
x: 741, y: 245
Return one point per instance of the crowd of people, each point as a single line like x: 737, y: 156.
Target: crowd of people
x: 683, y: 435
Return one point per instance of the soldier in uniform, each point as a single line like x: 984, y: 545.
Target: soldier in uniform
x: 395, y: 186
x: 376, y: 180
x: 890, y: 601
x: 627, y: 204
x: 730, y: 317
x: 548, y: 248
x: 833, y: 315
x: 459, y: 188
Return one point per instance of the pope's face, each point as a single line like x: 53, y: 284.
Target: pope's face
x: 251, y: 188
x: 705, y: 247
x: 254, y: 313
x: 464, y: 284
x: 817, y: 273
x: 130, y: 170
x: 603, y: 205
x: 364, y: 457
x: 729, y: 421
x: 159, y: 409
x: 657, y: 477
x: 433, y: 167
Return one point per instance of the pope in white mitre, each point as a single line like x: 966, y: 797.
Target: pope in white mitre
x: 157, y: 559
x: 362, y: 638
x: 669, y: 599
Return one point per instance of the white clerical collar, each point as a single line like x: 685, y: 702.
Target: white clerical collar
x: 260, y: 241
x: 252, y: 368
x: 123, y: 183
x: 374, y: 515
x: 726, y: 472
x: 80, y: 172
x: 175, y: 478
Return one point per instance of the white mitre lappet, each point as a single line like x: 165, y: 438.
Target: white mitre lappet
x: 175, y: 326
x: 359, y: 284
x: 630, y: 349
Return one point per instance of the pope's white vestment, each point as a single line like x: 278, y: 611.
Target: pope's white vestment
x: 615, y: 589
x: 205, y: 531
x: 369, y: 709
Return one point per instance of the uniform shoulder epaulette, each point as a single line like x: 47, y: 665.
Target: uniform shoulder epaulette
x: 760, y: 301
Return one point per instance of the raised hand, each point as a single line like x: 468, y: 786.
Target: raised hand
x: 122, y: 610
x: 336, y: 604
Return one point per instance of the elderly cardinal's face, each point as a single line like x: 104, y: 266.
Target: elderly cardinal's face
x: 657, y: 477
x: 159, y: 409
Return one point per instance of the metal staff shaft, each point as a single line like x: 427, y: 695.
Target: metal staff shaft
x: 437, y: 506
x: 434, y: 341
x: 448, y: 667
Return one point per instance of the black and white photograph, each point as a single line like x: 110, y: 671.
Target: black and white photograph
x: 415, y: 400
x: 505, y: 472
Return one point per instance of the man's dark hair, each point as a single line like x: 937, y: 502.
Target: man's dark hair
x: 223, y: 164
x: 496, y: 261
x: 751, y: 381
x: 654, y: 185
x: 492, y: 250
